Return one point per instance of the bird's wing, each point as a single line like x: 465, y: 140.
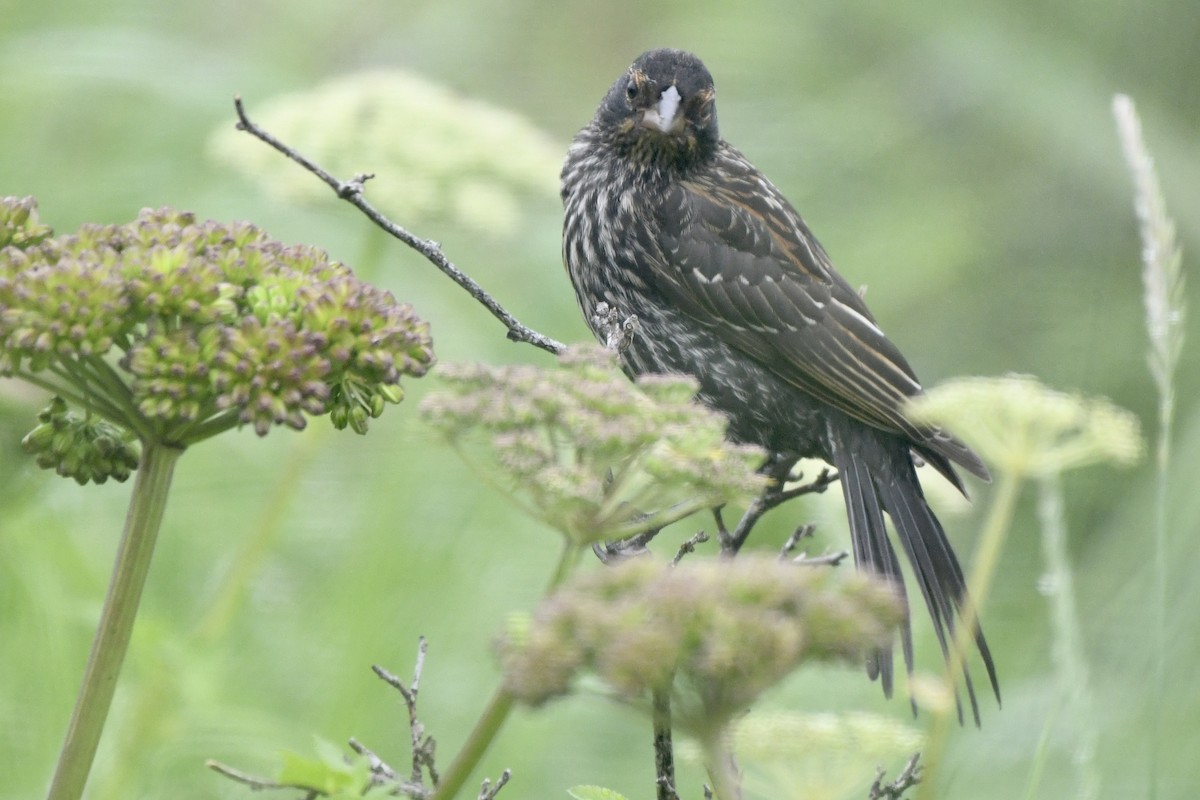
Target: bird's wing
x: 734, y: 252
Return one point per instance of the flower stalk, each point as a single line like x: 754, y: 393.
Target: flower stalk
x: 142, y: 525
x: 156, y: 335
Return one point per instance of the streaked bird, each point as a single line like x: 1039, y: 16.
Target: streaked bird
x: 667, y: 221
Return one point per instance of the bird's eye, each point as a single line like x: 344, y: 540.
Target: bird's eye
x: 631, y: 91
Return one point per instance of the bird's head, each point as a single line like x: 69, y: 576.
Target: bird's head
x: 662, y: 110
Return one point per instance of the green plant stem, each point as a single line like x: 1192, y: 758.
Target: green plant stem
x: 156, y: 712
x: 995, y: 531
x: 664, y: 751
x: 1067, y: 637
x: 485, y: 730
x: 142, y: 524
x: 498, y: 708
x: 197, y: 432
x: 1039, y: 757
x: 721, y: 768
x: 69, y: 391
x: 1166, y: 413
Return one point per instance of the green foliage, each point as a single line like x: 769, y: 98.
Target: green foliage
x: 588, y: 452
x: 329, y: 772
x: 958, y: 160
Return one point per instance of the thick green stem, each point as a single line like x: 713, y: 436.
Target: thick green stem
x: 116, y: 621
x: 477, y: 743
x: 498, y: 708
x: 722, y: 769
x: 995, y: 531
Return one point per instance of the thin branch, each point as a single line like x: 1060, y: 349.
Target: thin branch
x: 423, y: 747
x: 352, y: 192
x: 805, y: 532
x: 801, y: 532
x: 688, y: 547
x: 488, y: 791
x: 909, y: 777
x: 379, y: 767
x: 827, y: 560
x: 256, y: 783
x: 779, y: 469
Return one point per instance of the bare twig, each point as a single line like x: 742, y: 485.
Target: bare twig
x: 379, y: 767
x: 423, y: 746
x: 699, y: 537
x: 489, y: 791
x: 909, y: 776
x: 801, y: 532
x: 827, y: 560
x: 352, y: 192
x: 256, y: 783
x: 779, y: 470
x: 804, y: 532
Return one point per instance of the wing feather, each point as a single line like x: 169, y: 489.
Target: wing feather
x: 734, y: 250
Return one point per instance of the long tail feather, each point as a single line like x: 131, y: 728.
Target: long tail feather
x: 877, y: 475
x: 874, y: 552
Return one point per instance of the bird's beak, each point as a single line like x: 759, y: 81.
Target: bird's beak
x: 664, y: 117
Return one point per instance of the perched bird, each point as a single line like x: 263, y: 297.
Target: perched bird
x: 666, y: 221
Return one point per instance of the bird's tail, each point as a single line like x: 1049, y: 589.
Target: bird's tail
x: 878, y: 475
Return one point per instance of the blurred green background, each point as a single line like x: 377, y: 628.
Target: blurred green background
x: 959, y: 160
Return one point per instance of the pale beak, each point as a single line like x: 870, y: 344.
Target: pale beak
x: 664, y: 117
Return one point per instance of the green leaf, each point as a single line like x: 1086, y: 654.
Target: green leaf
x: 328, y: 772
x: 594, y: 793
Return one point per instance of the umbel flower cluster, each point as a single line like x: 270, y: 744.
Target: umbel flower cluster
x: 717, y: 632
x: 1026, y: 428
x: 437, y: 156
x: 589, y: 452
x: 175, y: 329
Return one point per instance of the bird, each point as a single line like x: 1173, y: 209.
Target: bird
x: 667, y: 222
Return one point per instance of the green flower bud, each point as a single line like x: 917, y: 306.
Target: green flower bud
x: 79, y: 446
x: 214, y: 324
x: 19, y: 226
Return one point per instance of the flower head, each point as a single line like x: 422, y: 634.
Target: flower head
x: 1024, y: 427
x: 19, y: 225
x: 457, y: 159
x: 592, y: 454
x: 176, y: 328
x: 719, y: 632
